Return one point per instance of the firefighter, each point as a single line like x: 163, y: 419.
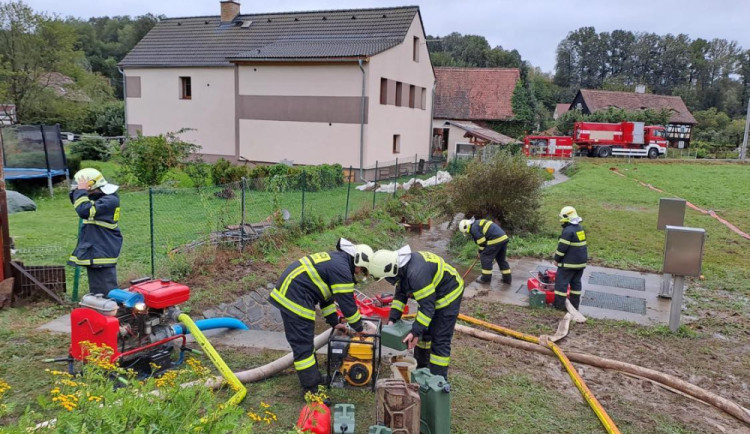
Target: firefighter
x: 570, y: 257
x: 493, y: 246
x: 438, y: 289
x: 99, y: 242
x: 322, y: 279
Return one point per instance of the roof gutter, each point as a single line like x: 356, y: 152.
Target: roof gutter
x: 124, y: 102
x: 362, y: 126
x: 432, y: 113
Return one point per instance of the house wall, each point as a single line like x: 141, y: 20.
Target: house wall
x: 385, y: 120
x: 210, y: 111
x: 455, y: 135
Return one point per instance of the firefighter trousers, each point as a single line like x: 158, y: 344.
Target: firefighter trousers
x: 495, y: 252
x: 434, y: 347
x: 300, y: 333
x: 102, y: 279
x: 565, y: 277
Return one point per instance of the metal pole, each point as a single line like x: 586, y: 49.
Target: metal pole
x: 348, y: 191
x: 77, y: 272
x: 414, y: 171
x: 46, y: 160
x: 242, y: 221
x: 395, y: 179
x: 304, y: 185
x: 743, y: 149
x: 676, y: 309
x: 151, y: 220
x: 374, y: 187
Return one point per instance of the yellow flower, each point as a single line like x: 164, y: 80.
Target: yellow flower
x: 264, y: 405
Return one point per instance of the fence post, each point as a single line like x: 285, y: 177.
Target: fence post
x: 242, y: 221
x: 395, y: 179
x: 374, y: 187
x: 304, y: 186
x: 348, y: 191
x: 151, y: 224
x: 77, y: 273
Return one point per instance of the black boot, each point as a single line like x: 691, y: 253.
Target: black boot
x: 575, y: 300
x: 507, y: 279
x: 559, y: 303
x: 484, y: 278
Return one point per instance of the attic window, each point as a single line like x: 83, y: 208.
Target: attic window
x: 246, y: 24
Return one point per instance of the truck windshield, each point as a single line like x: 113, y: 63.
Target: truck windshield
x: 658, y: 133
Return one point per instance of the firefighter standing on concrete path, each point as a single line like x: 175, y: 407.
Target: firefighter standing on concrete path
x: 493, y: 246
x: 322, y: 279
x: 437, y: 287
x: 100, y: 241
x: 570, y: 257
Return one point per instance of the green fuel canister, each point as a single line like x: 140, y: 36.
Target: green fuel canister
x: 392, y: 336
x: 434, y: 393
x: 537, y: 298
x: 343, y: 419
x: 379, y: 429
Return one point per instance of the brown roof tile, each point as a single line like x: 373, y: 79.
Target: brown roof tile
x: 475, y: 93
x: 602, y: 99
x: 561, y: 108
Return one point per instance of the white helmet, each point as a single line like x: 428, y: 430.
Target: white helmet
x: 362, y: 255
x: 384, y: 263
x: 94, y: 180
x: 464, y: 226
x: 569, y: 215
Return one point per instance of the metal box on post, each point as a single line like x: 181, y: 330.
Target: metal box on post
x: 683, y: 251
x: 671, y: 212
x: 434, y: 393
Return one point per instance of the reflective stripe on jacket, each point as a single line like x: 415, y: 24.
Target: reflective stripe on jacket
x: 487, y: 233
x: 572, y: 251
x: 100, y: 240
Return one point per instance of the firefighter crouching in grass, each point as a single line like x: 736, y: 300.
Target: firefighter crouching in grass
x: 493, y: 246
x: 438, y: 289
x: 570, y: 257
x: 99, y: 243
x: 322, y: 279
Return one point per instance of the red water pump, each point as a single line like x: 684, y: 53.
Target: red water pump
x: 544, y: 282
x: 136, y: 323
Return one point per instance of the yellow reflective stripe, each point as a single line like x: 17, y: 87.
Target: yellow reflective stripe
x: 354, y: 318
x: 424, y: 292
x: 399, y: 306
x: 305, y: 363
x: 452, y: 271
x: 331, y: 308
x: 564, y: 294
x: 423, y: 319
x: 564, y: 241
x: 581, y: 244
x: 95, y: 261
x: 79, y: 261
x: 80, y: 200
x: 342, y: 288
x: 315, y: 277
x: 450, y: 298
x: 292, y: 306
x: 101, y: 223
x: 486, y: 226
x: 439, y: 360
x: 481, y: 240
x: 425, y: 345
x: 573, y: 265
x: 486, y: 271
x: 288, y: 279
x: 559, y: 253
x: 117, y: 214
x: 481, y: 248
x: 92, y: 212
x: 102, y: 261
x: 497, y: 240
x: 505, y: 271
x: 575, y: 292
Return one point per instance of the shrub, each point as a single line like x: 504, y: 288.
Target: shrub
x: 224, y: 172
x: 74, y: 163
x: 504, y: 188
x: 93, y: 148
x: 107, y: 118
x: 149, y: 158
x: 198, y: 172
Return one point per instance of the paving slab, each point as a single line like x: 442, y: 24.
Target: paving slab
x: 57, y: 325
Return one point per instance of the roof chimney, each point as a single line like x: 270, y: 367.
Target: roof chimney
x: 229, y: 10
x: 639, y: 88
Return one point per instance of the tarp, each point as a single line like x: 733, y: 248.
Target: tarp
x: 18, y: 202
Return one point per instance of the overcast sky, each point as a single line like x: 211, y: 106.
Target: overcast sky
x: 533, y: 27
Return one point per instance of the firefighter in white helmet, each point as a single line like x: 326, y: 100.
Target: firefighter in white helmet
x: 570, y: 257
x: 493, y: 246
x: 438, y: 289
x: 97, y: 203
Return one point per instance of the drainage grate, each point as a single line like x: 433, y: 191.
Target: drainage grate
x: 623, y: 303
x: 618, y: 281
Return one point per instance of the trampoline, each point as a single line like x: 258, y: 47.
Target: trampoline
x: 33, y: 152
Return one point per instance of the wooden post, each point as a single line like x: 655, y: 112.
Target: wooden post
x: 4, y: 231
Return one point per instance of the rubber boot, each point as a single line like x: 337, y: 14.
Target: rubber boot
x: 575, y: 300
x: 422, y: 356
x: 484, y: 278
x: 507, y: 279
x: 559, y: 303
x: 310, y: 379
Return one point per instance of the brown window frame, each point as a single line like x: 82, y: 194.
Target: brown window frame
x: 397, y: 143
x: 412, y: 96
x: 186, y: 88
x: 423, y: 99
x: 415, y: 49
x: 399, y: 94
x: 383, y: 91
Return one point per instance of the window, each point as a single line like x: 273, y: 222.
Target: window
x: 396, y: 143
x: 186, y: 91
x: 415, y: 49
x: 399, y: 92
x: 412, y: 96
x: 424, y: 99
x: 383, y: 91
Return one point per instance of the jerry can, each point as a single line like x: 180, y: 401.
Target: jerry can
x: 397, y: 405
x: 435, y: 396
x: 537, y: 298
x: 343, y: 419
x: 315, y: 418
x: 379, y: 429
x: 392, y: 336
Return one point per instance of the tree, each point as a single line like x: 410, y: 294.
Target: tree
x: 456, y: 49
x: 148, y: 158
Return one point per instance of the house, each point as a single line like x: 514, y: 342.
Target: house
x: 467, y: 102
x: 680, y: 123
x: 560, y: 109
x: 344, y: 86
x: 8, y: 114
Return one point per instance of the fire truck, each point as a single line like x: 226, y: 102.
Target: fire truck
x: 597, y: 139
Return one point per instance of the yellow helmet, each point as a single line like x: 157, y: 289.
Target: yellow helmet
x: 384, y: 263
x: 464, y: 225
x: 568, y: 213
x: 362, y: 255
x: 95, y: 179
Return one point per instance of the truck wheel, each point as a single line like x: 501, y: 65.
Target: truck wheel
x: 591, y: 152
x: 605, y: 152
x: 653, y: 153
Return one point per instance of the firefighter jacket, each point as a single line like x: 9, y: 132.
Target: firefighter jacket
x: 432, y: 282
x: 325, y: 279
x: 487, y: 233
x: 100, y: 240
x: 571, y: 247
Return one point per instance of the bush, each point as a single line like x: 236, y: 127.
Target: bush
x: 74, y: 163
x: 504, y: 188
x: 107, y: 118
x: 93, y: 148
x: 149, y: 158
x: 224, y: 172
x: 316, y: 178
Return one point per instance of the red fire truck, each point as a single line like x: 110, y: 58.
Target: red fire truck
x: 548, y: 146
x: 597, y: 139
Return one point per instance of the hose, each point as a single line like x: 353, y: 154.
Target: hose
x: 216, y: 359
x: 212, y: 323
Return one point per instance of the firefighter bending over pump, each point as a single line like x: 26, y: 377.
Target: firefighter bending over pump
x: 437, y: 287
x: 570, y: 257
x: 493, y: 246
x: 323, y: 279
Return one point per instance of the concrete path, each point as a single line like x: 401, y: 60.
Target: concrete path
x: 558, y: 178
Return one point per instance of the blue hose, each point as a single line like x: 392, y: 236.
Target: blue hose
x: 212, y: 323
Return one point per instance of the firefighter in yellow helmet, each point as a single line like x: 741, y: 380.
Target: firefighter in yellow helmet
x: 493, y: 246
x: 97, y: 203
x: 570, y: 257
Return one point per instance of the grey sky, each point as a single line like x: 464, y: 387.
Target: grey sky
x: 533, y: 27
